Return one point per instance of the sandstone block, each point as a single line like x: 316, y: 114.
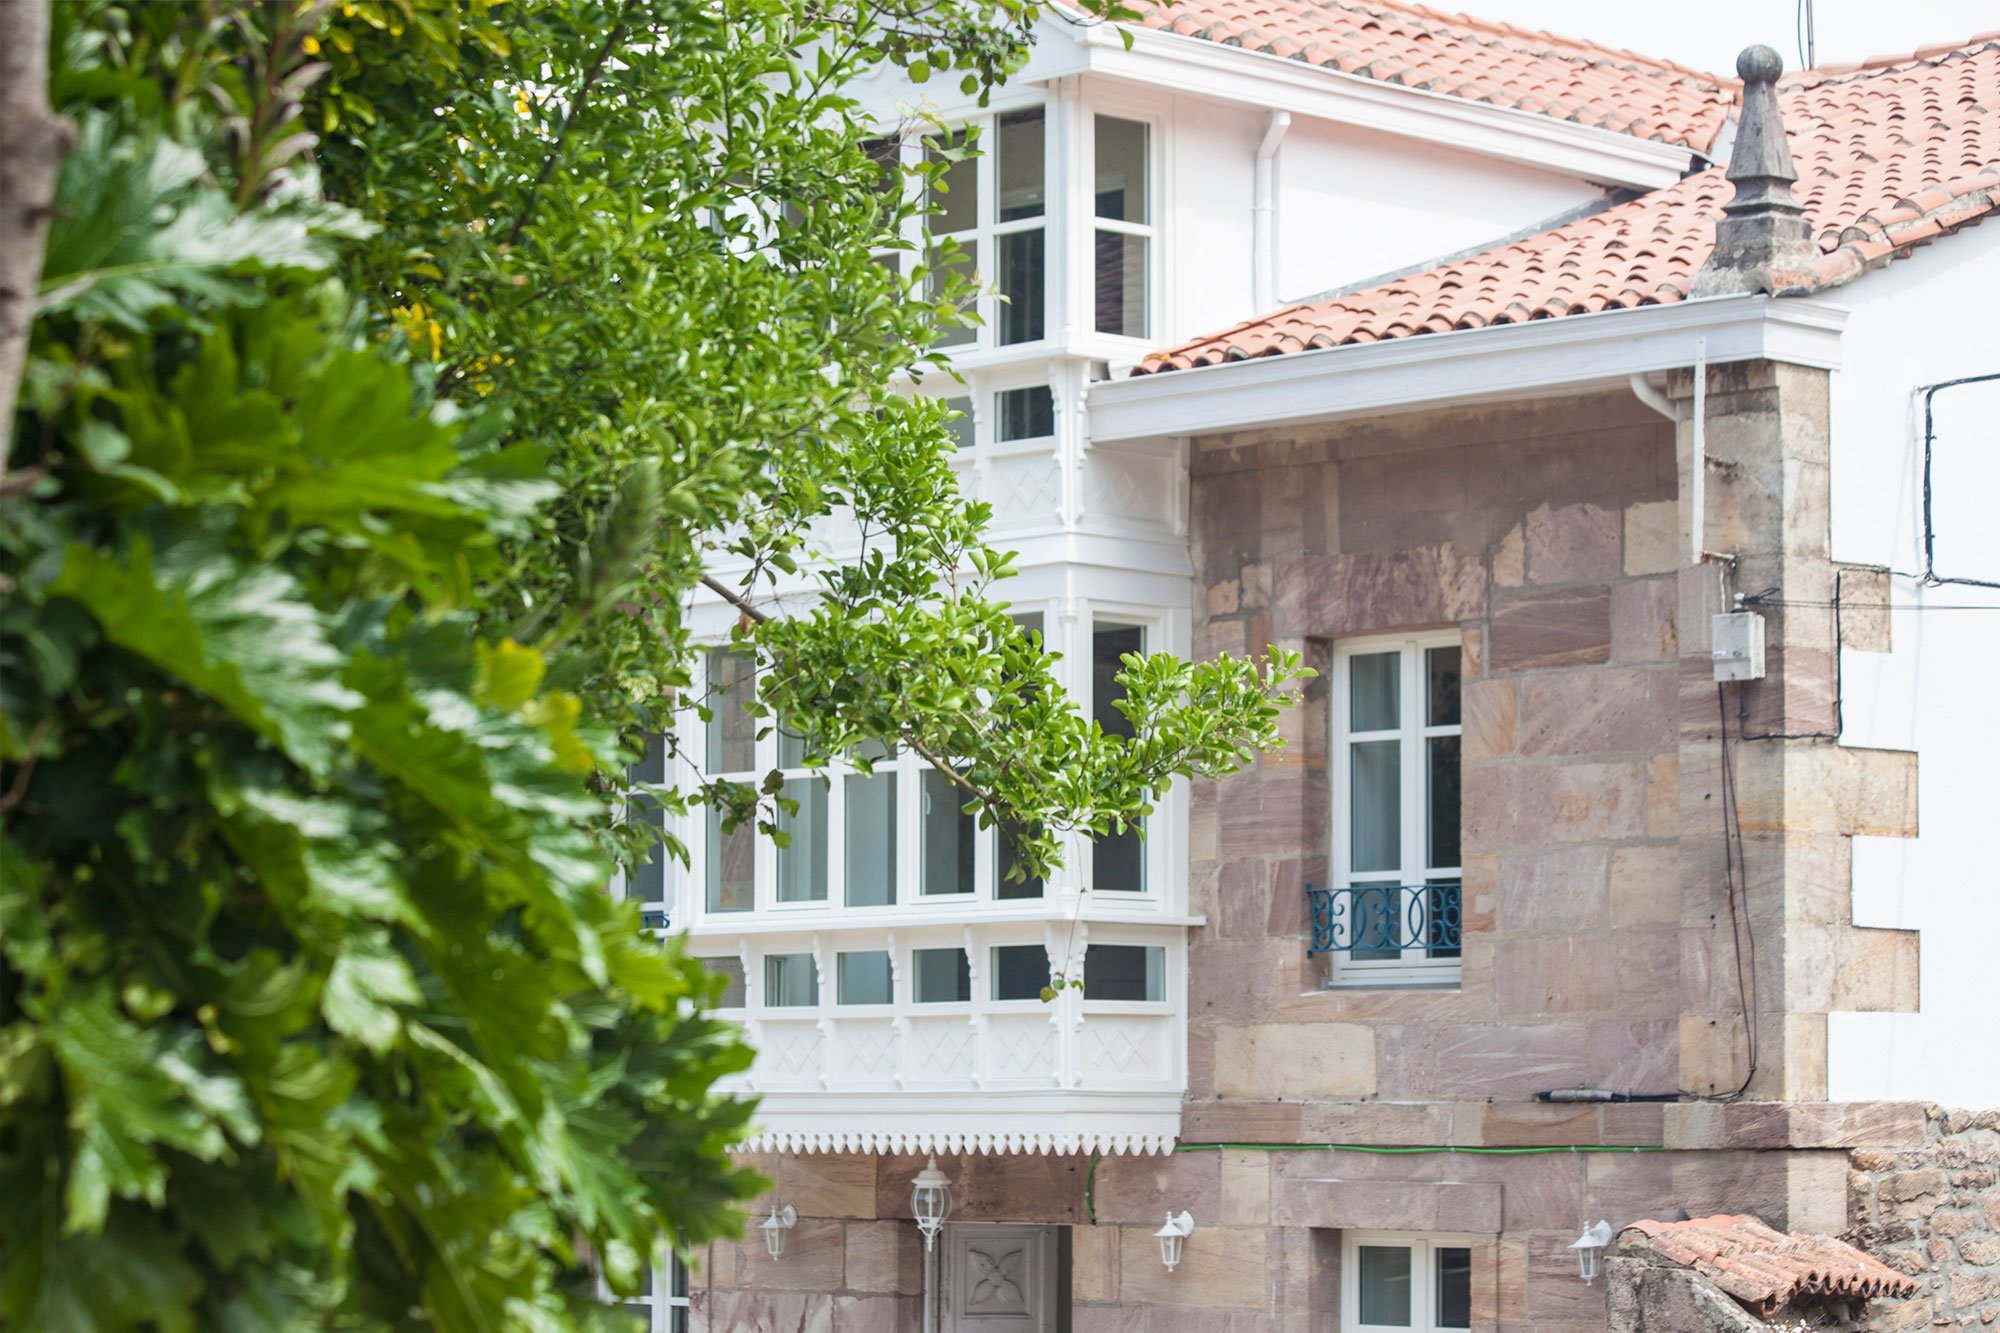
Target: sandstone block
x: 1584, y: 802
x: 1570, y: 627
x: 1366, y: 592
x: 1912, y: 1194
x: 1510, y: 559
x: 1221, y: 1267
x: 1094, y: 1262
x: 1295, y: 1060
x: 877, y: 1314
x: 1488, y: 710
x: 1653, y: 537
x: 1984, y: 1252
x: 1599, y: 712
x: 1567, y: 975
x: 1864, y: 618
x: 886, y: 1257
x: 1643, y: 627
x: 1645, y: 886
x: 1246, y: 1187
x: 1572, y: 543
x: 1510, y: 1061
x: 1556, y: 891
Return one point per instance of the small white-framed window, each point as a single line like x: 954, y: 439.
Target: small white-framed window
x: 1122, y: 227
x: 1125, y: 973
x: 1398, y: 1283
x: 863, y: 976
x: 730, y: 969
x: 1392, y: 914
x: 791, y: 981
x: 995, y: 206
x: 730, y: 752
x: 647, y: 883
x: 1117, y: 860
x: 940, y: 976
x: 1019, y: 971
x: 662, y: 1298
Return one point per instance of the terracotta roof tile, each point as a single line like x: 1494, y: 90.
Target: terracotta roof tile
x: 1887, y: 158
x: 1763, y: 1268
x: 1466, y: 57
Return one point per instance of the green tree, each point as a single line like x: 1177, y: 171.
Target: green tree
x: 398, y: 371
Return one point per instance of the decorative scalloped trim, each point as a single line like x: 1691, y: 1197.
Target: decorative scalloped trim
x: 919, y: 1141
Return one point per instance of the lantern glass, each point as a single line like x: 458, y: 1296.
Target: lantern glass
x: 1590, y: 1248
x: 776, y: 1226
x: 1173, y: 1238
x: 930, y: 1201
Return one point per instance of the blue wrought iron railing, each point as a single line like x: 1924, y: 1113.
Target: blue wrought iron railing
x: 1385, y: 918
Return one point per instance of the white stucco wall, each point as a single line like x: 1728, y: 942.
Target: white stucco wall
x: 1357, y: 203
x: 1918, y: 322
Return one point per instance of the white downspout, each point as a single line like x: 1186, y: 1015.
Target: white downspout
x: 1698, y: 482
x: 1264, y: 216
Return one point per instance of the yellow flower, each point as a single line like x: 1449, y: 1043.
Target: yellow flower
x: 310, y: 45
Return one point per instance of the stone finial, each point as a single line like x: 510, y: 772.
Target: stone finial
x: 1763, y: 227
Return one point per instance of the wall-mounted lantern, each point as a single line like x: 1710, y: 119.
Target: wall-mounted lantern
x: 1173, y: 1236
x: 1590, y: 1248
x: 777, y: 1226
x: 930, y: 1201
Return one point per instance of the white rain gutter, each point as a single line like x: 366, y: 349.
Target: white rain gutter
x: 1510, y: 362
x: 1264, y: 216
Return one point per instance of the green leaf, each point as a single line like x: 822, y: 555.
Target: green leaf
x: 243, y: 637
x: 367, y: 985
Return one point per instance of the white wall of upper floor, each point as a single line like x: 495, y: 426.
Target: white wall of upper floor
x: 1919, y: 322
x: 1352, y: 200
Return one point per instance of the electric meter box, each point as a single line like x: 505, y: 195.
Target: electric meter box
x: 1736, y: 645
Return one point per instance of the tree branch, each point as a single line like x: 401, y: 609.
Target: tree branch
x: 603, y: 56
x: 31, y: 154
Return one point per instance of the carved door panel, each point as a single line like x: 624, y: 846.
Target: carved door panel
x: 999, y: 1278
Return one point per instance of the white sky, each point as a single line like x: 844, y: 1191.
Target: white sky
x: 1707, y: 34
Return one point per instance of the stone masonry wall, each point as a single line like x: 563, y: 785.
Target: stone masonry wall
x: 1600, y: 944
x: 1547, y: 535
x: 1934, y: 1212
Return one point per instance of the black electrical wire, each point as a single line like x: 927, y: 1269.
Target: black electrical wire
x: 1769, y: 597
x: 1736, y: 880
x: 1931, y: 578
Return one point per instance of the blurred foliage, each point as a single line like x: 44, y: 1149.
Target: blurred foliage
x: 400, y: 370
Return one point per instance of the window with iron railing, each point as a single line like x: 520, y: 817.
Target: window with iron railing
x: 1392, y: 914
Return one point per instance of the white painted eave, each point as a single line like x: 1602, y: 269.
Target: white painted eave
x: 1511, y: 362
x: 1197, y: 66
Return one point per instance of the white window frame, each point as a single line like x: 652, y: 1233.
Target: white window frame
x: 987, y: 229
x: 909, y: 834
x: 1153, y: 850
x: 1119, y: 109
x: 671, y: 1285
x: 1423, y: 1277
x: 1414, y: 967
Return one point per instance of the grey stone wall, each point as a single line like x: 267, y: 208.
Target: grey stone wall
x: 1933, y: 1212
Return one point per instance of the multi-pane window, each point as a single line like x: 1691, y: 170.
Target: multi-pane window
x: 1125, y: 972
x: 863, y: 977
x: 730, y: 857
x: 1396, y: 809
x: 1023, y: 414
x: 1117, y: 860
x: 995, y: 207
x: 1122, y: 227
x: 1411, y: 1284
x: 663, y: 1298
x: 791, y: 981
x: 1020, y: 971
x: 647, y: 882
x: 940, y: 976
x: 876, y: 828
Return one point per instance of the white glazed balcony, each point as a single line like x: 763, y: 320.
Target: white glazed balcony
x: 1069, y: 1075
